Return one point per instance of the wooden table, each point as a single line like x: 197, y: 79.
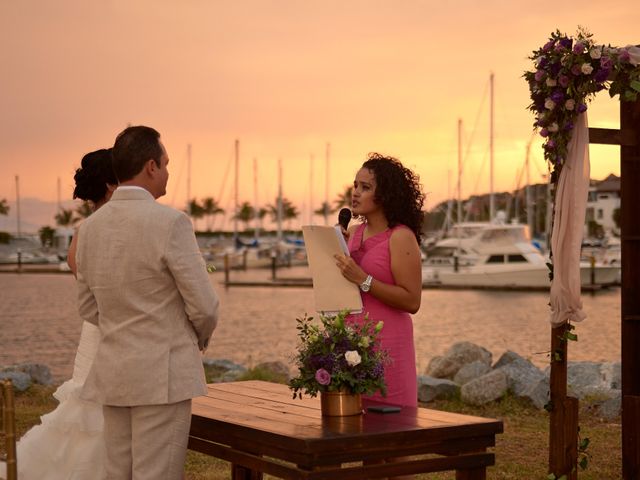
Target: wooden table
x: 259, y: 427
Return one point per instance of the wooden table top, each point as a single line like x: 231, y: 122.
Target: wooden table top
x: 263, y: 418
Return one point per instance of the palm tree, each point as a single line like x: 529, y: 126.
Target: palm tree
x: 195, y: 209
x: 289, y: 211
x: 245, y: 214
x: 324, y: 210
x: 4, y: 207
x: 344, y: 199
x: 66, y: 218
x: 211, y: 209
x: 84, y: 210
x: 46, y: 234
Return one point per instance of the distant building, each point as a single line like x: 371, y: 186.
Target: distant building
x: 603, y: 200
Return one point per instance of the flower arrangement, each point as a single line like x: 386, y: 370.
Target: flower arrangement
x: 567, y: 73
x: 335, y: 357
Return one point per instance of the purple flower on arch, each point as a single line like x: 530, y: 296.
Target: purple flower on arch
x: 557, y: 96
x: 606, y: 63
x: 548, y: 46
x: 576, y: 70
x: 563, y: 81
x: 539, y: 75
x: 566, y: 42
x: 582, y: 108
x: 544, y: 132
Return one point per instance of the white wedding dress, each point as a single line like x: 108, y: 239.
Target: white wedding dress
x: 69, y: 443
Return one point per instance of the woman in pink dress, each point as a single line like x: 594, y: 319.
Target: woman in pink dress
x: 385, y: 263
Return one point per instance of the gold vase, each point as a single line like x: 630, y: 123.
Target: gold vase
x: 340, y: 404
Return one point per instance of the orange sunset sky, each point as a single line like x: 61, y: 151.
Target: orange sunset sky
x: 285, y: 78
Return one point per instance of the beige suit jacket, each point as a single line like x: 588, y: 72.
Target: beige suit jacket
x: 143, y: 281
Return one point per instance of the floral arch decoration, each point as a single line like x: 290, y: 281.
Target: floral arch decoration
x: 567, y: 73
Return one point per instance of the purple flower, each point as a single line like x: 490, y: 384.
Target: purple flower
x: 563, y: 80
x: 624, y: 56
x: 542, y: 62
x: 576, y: 70
x: 606, y: 62
x: 554, y: 68
x: 539, y: 75
x: 582, y: 108
x: 566, y: 42
x: 323, y: 377
x: 550, y: 144
x: 568, y: 126
x: 578, y: 47
x: 548, y: 46
x: 602, y: 75
x: 544, y: 132
x: 557, y: 96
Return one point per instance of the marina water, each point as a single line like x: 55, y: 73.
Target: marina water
x: 39, y: 322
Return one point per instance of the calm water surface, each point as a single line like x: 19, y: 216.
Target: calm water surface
x: 39, y: 322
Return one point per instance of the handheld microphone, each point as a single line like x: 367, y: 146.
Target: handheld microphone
x: 344, y: 217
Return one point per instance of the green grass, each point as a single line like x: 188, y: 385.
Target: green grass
x: 521, y: 451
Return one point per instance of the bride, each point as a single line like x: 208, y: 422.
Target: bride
x: 69, y: 444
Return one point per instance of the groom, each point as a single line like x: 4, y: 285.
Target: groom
x: 142, y: 280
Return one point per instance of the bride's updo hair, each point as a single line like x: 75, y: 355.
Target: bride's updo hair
x: 93, y: 176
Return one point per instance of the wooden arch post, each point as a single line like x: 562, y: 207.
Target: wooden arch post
x: 628, y: 137
x: 563, y: 428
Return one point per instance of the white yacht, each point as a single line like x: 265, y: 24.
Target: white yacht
x: 486, y: 255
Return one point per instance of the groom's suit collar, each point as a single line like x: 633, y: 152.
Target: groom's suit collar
x: 131, y: 193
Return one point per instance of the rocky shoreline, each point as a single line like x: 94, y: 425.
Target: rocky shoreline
x: 465, y: 370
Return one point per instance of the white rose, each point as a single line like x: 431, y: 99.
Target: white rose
x: 551, y: 82
x: 553, y: 127
x: 352, y: 357
x: 570, y: 104
x: 586, y: 68
x: 595, y: 53
x: 549, y: 104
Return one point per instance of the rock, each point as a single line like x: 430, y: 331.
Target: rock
x: 471, y: 371
x: 506, y: 358
x: 485, y: 389
x: 459, y: 354
x: 611, y: 409
x: 21, y: 381
x: 521, y: 374
x: 612, y: 374
x: 538, y: 393
x: 38, y: 372
x: 584, y: 379
x: 279, y: 369
x: 430, y: 388
x: 221, y: 370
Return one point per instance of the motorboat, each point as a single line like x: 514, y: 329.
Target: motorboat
x: 493, y: 255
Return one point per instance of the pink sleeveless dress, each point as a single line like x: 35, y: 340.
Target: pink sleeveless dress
x: 374, y: 257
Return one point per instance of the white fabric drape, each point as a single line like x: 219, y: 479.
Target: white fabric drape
x: 568, y: 225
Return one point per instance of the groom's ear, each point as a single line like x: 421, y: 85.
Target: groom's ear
x: 150, y: 167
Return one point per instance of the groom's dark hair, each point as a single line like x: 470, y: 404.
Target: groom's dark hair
x: 134, y: 147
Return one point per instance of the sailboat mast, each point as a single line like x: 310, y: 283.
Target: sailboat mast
x: 235, y: 194
x: 256, y: 226
x: 189, y: 180
x: 492, y: 207
x: 280, y: 206
x: 528, y: 200
x: 311, y: 189
x: 18, y: 204
x: 326, y: 186
x: 459, y: 219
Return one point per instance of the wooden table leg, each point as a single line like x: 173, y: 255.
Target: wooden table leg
x: 472, y: 474
x: 239, y: 472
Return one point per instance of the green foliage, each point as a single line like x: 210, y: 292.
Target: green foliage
x: 259, y: 373
x: 46, y: 235
x: 335, y: 356
x: 5, y: 237
x: 66, y: 217
x: 4, y: 207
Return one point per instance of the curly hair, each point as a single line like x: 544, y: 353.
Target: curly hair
x: 94, y: 174
x: 399, y: 192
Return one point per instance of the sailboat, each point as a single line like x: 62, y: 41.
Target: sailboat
x: 497, y: 254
